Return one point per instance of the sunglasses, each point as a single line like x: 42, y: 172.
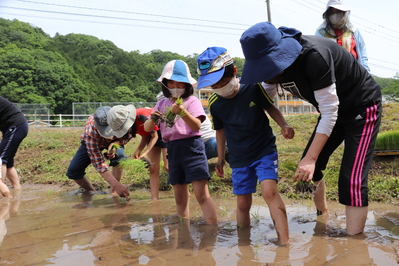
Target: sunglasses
x: 218, y: 63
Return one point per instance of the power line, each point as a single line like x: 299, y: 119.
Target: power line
x: 394, y: 64
x: 135, y: 13
x: 119, y: 18
x: 384, y: 67
x: 304, y: 3
x: 122, y: 24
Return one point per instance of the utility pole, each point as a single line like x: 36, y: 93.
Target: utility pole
x: 269, y: 15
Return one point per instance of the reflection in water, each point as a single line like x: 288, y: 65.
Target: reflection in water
x: 8, y: 208
x: 44, y: 226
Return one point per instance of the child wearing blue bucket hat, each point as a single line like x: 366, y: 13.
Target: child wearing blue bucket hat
x: 186, y: 151
x: 238, y: 116
x: 347, y: 97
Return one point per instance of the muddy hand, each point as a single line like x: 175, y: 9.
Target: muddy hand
x: 155, y: 116
x: 219, y: 169
x: 122, y: 192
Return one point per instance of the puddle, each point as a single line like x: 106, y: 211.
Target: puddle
x: 46, y: 225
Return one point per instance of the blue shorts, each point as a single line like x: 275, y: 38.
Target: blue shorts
x: 187, y: 161
x: 245, y: 179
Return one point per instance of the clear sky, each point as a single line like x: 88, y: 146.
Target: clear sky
x: 188, y: 27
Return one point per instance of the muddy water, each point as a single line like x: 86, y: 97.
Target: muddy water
x: 45, y: 225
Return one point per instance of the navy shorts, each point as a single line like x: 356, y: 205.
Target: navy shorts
x: 12, y: 137
x: 79, y: 163
x: 245, y: 179
x: 160, y: 142
x: 187, y: 161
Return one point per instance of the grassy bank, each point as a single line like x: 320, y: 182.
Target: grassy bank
x: 45, y: 155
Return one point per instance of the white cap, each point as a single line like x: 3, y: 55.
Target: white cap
x: 337, y: 4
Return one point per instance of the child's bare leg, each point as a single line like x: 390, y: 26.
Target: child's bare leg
x: 12, y: 175
x: 277, y: 209
x: 244, y: 203
x: 181, y: 199
x: 117, y: 173
x: 203, y: 197
x: 155, y: 158
x: 319, y: 198
x: 165, y: 159
x: 85, y: 184
x: 3, y: 187
x: 3, y: 170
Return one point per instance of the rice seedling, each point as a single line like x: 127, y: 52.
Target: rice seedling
x: 388, y: 140
x: 169, y: 117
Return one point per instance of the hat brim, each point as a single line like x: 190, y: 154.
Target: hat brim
x: 270, y: 65
x: 210, y: 79
x: 105, y: 131
x: 339, y: 7
x: 128, y: 124
x: 191, y: 81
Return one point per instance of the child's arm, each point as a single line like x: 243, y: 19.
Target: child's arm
x: 151, y: 144
x: 221, y: 143
x: 149, y: 124
x: 193, y: 122
x: 140, y: 148
x: 277, y: 116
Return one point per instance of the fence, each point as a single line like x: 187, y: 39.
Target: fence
x: 81, y: 111
x: 84, y: 108
x: 60, y: 120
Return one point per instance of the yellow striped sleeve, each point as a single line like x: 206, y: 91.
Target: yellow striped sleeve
x: 267, y: 96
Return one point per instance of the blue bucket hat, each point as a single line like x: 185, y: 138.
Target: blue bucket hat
x: 177, y: 70
x: 268, y: 51
x: 211, y: 65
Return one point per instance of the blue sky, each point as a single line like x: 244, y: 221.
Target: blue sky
x: 187, y: 27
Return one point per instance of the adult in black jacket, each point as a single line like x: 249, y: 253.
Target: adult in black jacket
x: 349, y: 101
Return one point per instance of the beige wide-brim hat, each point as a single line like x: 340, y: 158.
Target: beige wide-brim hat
x: 121, y: 118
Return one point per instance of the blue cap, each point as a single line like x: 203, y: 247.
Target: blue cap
x: 211, y: 65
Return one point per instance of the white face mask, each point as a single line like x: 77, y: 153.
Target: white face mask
x: 176, y: 92
x: 337, y: 20
x: 228, y: 89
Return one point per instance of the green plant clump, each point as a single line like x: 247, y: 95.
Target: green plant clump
x: 388, y: 140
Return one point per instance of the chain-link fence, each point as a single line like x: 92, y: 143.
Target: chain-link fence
x: 36, y: 113
x: 80, y: 111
